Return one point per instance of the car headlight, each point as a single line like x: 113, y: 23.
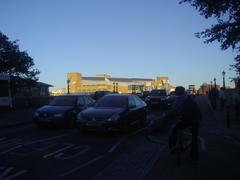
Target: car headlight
x: 58, y: 115
x: 36, y: 114
x: 114, y: 118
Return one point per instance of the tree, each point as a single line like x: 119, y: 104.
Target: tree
x: 15, y: 62
x: 227, y: 29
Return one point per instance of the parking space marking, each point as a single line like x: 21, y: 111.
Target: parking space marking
x: 8, y: 173
x: 47, y: 139
x: 114, y: 147
x: 80, y: 167
x: 59, y: 150
x: 203, y: 143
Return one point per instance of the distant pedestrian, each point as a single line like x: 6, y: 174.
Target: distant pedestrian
x: 237, y: 104
x: 222, y: 98
x: 213, y: 95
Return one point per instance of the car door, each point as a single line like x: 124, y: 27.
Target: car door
x: 140, y: 108
x: 81, y: 104
x: 132, y: 110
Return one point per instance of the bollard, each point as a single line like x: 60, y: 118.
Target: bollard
x: 228, y: 116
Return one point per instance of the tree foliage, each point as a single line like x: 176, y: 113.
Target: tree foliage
x: 227, y: 29
x: 15, y: 62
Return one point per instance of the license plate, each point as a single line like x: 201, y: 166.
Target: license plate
x: 93, y: 124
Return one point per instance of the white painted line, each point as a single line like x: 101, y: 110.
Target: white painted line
x: 2, y: 138
x: 59, y: 150
x: 78, y: 168
x: 203, y: 144
x: 116, y: 145
x: 47, y: 139
x: 16, y: 174
x: 16, y: 147
x: 135, y: 132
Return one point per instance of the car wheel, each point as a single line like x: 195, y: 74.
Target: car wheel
x: 72, y: 122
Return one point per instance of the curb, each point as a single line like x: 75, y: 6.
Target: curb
x: 16, y: 124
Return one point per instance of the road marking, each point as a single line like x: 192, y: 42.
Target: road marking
x: 47, y: 139
x: 2, y: 138
x: 136, y: 132
x: 81, y: 149
x: 203, y: 144
x: 7, y: 175
x: 114, y: 147
x: 80, y: 167
x: 116, y: 144
x: 59, y: 150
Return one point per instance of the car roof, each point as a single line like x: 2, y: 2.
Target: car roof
x: 70, y: 95
x: 123, y: 95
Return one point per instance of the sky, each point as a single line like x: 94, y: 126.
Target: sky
x: 122, y: 38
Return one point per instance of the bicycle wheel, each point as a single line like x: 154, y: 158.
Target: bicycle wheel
x: 179, y: 146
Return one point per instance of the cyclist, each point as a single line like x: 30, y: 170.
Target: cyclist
x: 189, y: 116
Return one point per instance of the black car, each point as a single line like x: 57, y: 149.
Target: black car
x: 98, y: 94
x: 62, y: 109
x: 157, y: 97
x: 113, y: 112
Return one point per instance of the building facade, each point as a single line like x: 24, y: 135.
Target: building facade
x: 103, y: 82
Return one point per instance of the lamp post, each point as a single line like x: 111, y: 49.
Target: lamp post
x: 211, y: 86
x: 215, y: 85
x: 114, y: 87
x: 68, y: 89
x: 223, y: 74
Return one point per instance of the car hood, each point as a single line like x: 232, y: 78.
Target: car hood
x: 100, y: 113
x: 156, y: 97
x: 54, y: 109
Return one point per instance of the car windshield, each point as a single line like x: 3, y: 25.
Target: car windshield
x: 64, y: 101
x: 112, y: 101
x: 158, y: 93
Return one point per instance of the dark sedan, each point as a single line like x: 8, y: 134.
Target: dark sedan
x: 157, y: 97
x: 62, y: 109
x: 113, y: 112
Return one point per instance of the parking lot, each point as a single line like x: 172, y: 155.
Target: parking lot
x: 31, y: 152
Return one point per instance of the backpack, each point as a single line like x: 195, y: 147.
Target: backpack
x: 191, y: 112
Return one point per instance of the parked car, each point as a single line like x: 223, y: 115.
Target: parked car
x: 98, y: 94
x: 143, y: 95
x: 157, y: 97
x: 113, y: 112
x: 62, y: 109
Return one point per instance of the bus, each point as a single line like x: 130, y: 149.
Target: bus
x: 5, y: 92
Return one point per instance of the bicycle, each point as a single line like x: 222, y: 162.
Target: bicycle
x: 183, y: 143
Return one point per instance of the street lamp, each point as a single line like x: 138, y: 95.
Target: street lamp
x: 68, y: 89
x: 215, y: 85
x: 223, y: 74
x: 211, y: 85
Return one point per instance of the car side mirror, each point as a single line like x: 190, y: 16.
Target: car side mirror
x: 80, y: 106
x: 132, y: 106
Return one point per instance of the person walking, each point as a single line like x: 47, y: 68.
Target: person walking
x: 222, y: 98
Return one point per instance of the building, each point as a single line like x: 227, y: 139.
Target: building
x: 205, y: 88
x: 104, y: 82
